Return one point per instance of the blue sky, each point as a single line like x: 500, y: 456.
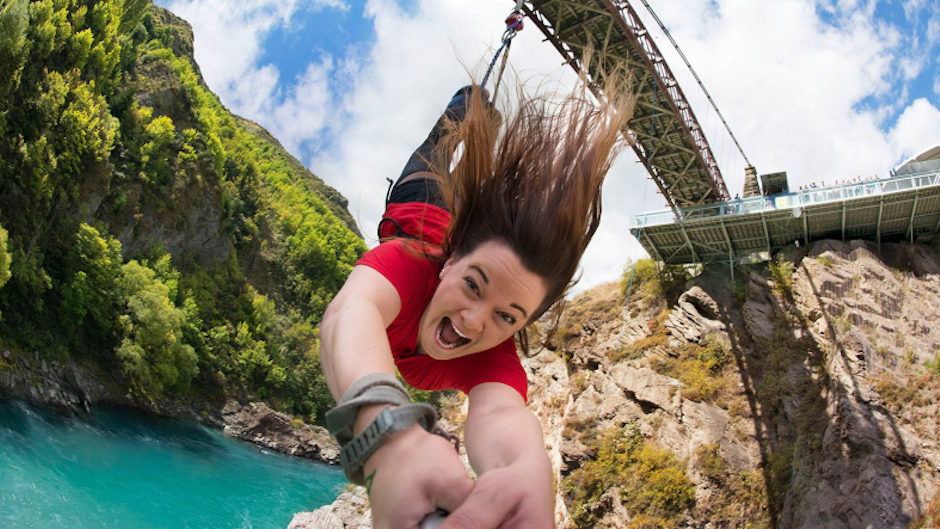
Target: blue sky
x: 825, y: 90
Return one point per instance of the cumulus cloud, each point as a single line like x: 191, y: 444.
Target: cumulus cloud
x: 229, y: 39
x: 303, y: 114
x: 916, y: 130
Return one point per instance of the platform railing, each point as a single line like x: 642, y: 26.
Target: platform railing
x: 804, y: 197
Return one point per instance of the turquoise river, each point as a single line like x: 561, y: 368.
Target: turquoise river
x: 117, y: 469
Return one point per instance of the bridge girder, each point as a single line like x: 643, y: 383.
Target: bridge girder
x: 664, y: 133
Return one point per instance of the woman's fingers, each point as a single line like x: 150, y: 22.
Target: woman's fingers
x: 414, y: 474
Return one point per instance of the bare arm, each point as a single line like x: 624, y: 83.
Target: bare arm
x: 506, y: 448
x: 353, y: 342
x: 414, y: 472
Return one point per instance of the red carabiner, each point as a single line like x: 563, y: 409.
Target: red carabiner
x: 514, y: 21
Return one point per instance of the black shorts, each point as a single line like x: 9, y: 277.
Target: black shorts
x: 418, y: 190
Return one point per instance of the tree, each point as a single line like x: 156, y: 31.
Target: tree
x: 152, y: 352
x: 14, y: 47
x: 4, y: 258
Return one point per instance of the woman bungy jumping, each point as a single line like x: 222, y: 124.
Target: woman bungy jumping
x: 471, y: 255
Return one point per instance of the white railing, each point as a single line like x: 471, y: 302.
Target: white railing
x: 805, y: 197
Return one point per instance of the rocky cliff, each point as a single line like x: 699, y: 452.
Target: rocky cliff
x: 801, y: 394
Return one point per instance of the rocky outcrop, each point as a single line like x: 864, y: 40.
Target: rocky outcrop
x: 349, y: 511
x: 66, y: 386
x: 71, y: 387
x: 829, y: 403
x: 256, y: 422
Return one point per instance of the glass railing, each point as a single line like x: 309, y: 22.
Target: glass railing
x: 805, y: 197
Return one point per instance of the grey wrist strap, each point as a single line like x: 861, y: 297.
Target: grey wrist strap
x: 354, y: 454
x: 374, y: 388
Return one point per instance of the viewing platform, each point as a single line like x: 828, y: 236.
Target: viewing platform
x: 901, y: 207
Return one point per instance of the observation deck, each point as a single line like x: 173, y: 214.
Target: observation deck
x: 906, y: 206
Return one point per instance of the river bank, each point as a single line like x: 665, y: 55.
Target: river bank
x: 70, y: 387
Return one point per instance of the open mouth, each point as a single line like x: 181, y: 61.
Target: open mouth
x: 448, y: 337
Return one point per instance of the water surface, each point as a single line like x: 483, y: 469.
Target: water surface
x: 117, y: 469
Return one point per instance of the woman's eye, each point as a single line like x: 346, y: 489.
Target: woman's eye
x: 508, y: 318
x: 471, y: 284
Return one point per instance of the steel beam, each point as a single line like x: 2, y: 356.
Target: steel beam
x: 763, y: 221
x: 695, y: 258
x: 910, y: 223
x: 615, y: 27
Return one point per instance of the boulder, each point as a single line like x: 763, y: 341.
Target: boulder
x: 259, y: 424
x: 349, y: 511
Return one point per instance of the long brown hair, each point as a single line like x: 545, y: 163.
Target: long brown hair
x: 537, y: 186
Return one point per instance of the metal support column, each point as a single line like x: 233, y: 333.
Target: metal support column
x: 806, y: 228
x: 730, y: 248
x: 652, y: 247
x: 881, y: 207
x: 766, y: 232
x: 910, y: 222
x: 688, y: 241
x: 843, y: 219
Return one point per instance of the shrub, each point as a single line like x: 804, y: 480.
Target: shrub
x: 653, y: 484
x: 639, y: 348
x: 4, y: 259
x: 649, y: 280
x: 152, y: 352
x: 933, y: 367
x: 701, y: 369
x: 641, y: 271
x: 826, y: 260
x: 710, y: 463
x: 781, y: 272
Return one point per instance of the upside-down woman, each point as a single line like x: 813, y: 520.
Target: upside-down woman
x: 470, y: 258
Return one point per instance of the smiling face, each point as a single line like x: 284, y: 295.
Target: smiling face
x: 484, y: 298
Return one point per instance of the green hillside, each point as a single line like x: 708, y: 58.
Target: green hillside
x: 146, y: 231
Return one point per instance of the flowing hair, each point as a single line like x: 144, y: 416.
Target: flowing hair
x: 537, y: 186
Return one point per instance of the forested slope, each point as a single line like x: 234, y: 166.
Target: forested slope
x: 148, y: 233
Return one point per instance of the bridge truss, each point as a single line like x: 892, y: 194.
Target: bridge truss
x: 664, y: 132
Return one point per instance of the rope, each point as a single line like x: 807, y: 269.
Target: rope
x: 697, y: 79
x: 513, y: 26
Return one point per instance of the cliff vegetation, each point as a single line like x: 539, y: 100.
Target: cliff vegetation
x: 147, y: 233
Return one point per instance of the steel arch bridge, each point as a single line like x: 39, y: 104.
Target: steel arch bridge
x: 664, y: 132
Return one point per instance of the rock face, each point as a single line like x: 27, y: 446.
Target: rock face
x: 72, y: 388
x: 825, y: 414
x: 828, y: 399
x: 259, y: 424
x: 68, y: 386
x: 349, y: 511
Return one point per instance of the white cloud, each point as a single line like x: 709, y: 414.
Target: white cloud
x: 791, y: 86
x: 916, y: 130
x: 228, y: 40
x: 252, y: 93
x: 302, y: 116
x: 933, y: 27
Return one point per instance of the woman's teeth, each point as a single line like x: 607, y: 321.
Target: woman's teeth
x: 448, y: 336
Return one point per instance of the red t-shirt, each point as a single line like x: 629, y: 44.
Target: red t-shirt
x: 415, y: 276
